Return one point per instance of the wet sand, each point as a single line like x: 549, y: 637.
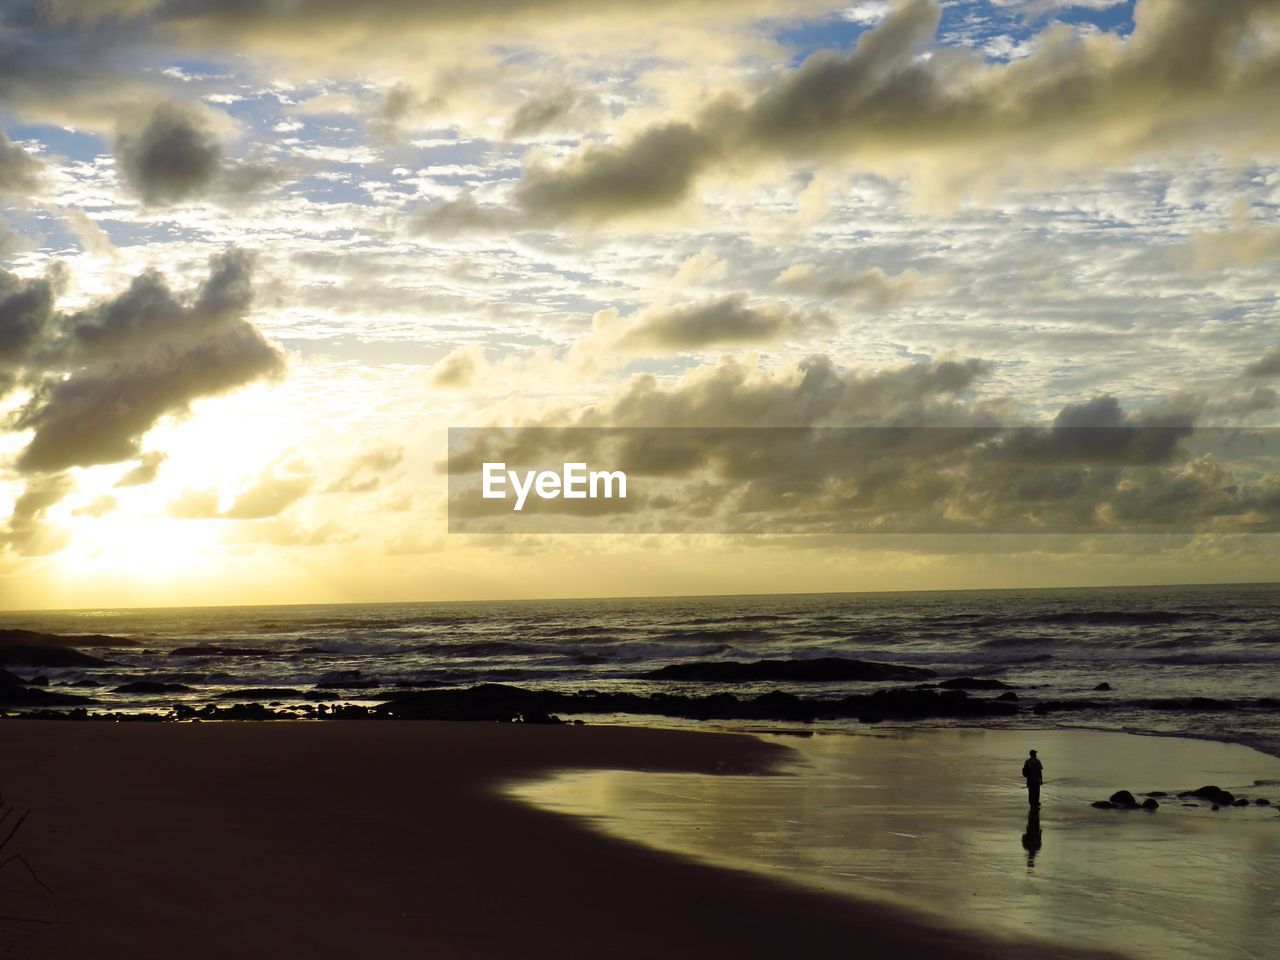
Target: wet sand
x: 938, y: 820
x: 386, y: 839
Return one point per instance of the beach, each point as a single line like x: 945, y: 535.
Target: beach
x: 398, y: 839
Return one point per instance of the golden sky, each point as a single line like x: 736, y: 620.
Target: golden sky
x: 259, y: 257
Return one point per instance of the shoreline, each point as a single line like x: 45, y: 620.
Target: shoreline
x: 333, y: 839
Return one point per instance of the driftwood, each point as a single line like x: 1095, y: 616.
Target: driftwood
x: 17, y: 859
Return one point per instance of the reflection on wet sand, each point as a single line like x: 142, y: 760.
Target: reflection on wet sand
x: 1032, y: 837
x: 927, y: 818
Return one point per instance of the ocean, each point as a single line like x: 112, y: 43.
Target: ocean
x: 1200, y: 661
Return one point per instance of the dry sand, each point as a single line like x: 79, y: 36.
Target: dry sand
x: 386, y: 840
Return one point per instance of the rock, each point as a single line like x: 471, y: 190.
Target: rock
x: 1215, y: 808
x: 152, y: 686
x: 813, y: 670
x: 537, y: 716
x: 1241, y: 802
x: 24, y: 696
x: 34, y: 656
x: 1103, y: 804
x: 1211, y: 793
x: 1155, y: 793
x: 973, y: 683
x: 1262, y: 802
x: 346, y: 680
x: 208, y: 650
x: 261, y: 693
x: 1150, y: 804
x: 495, y: 701
x: 33, y: 638
x: 1123, y: 798
x: 1102, y: 687
x: 1007, y: 697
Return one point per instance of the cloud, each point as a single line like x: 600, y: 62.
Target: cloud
x: 365, y: 470
x: 1267, y: 365
x: 26, y: 318
x: 816, y: 449
x: 270, y: 496
x: 1242, y: 246
x: 111, y: 371
x: 653, y: 171
x: 19, y: 171
x: 1191, y: 74
x: 560, y: 108
x: 873, y: 288
x: 92, y: 237
x: 26, y: 533
x: 147, y: 470
x: 459, y: 368
x: 195, y: 505
x: 813, y: 392
x: 277, y: 489
x: 717, y: 321
x: 174, y: 156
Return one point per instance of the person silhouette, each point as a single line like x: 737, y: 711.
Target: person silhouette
x: 1033, y: 770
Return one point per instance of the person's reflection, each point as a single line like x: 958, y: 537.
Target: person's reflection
x: 1031, y: 839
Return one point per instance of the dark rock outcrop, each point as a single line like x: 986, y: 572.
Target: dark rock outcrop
x: 493, y: 701
x: 815, y: 670
x: 973, y: 683
x: 1123, y: 798
x: 152, y: 686
x: 262, y: 693
x: 22, y: 655
x: 14, y: 692
x: 209, y: 650
x: 1102, y: 687
x: 1150, y: 804
x: 1214, y: 794
x: 10, y: 637
x: 346, y: 680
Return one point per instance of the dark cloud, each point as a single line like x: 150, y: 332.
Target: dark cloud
x: 1192, y: 74
x: 1267, y: 365
x: 107, y: 374
x: 814, y: 393
x: 303, y: 22
x: 147, y: 470
x: 898, y: 450
x: 26, y: 319
x: 19, y: 171
x: 173, y: 157
x: 653, y: 171
x: 552, y: 110
x: 718, y: 321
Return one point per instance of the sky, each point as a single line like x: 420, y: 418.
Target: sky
x: 256, y: 259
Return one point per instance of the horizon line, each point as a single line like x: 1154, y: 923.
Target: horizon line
x: 4, y: 612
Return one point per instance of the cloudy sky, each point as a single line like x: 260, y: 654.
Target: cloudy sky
x: 259, y: 256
